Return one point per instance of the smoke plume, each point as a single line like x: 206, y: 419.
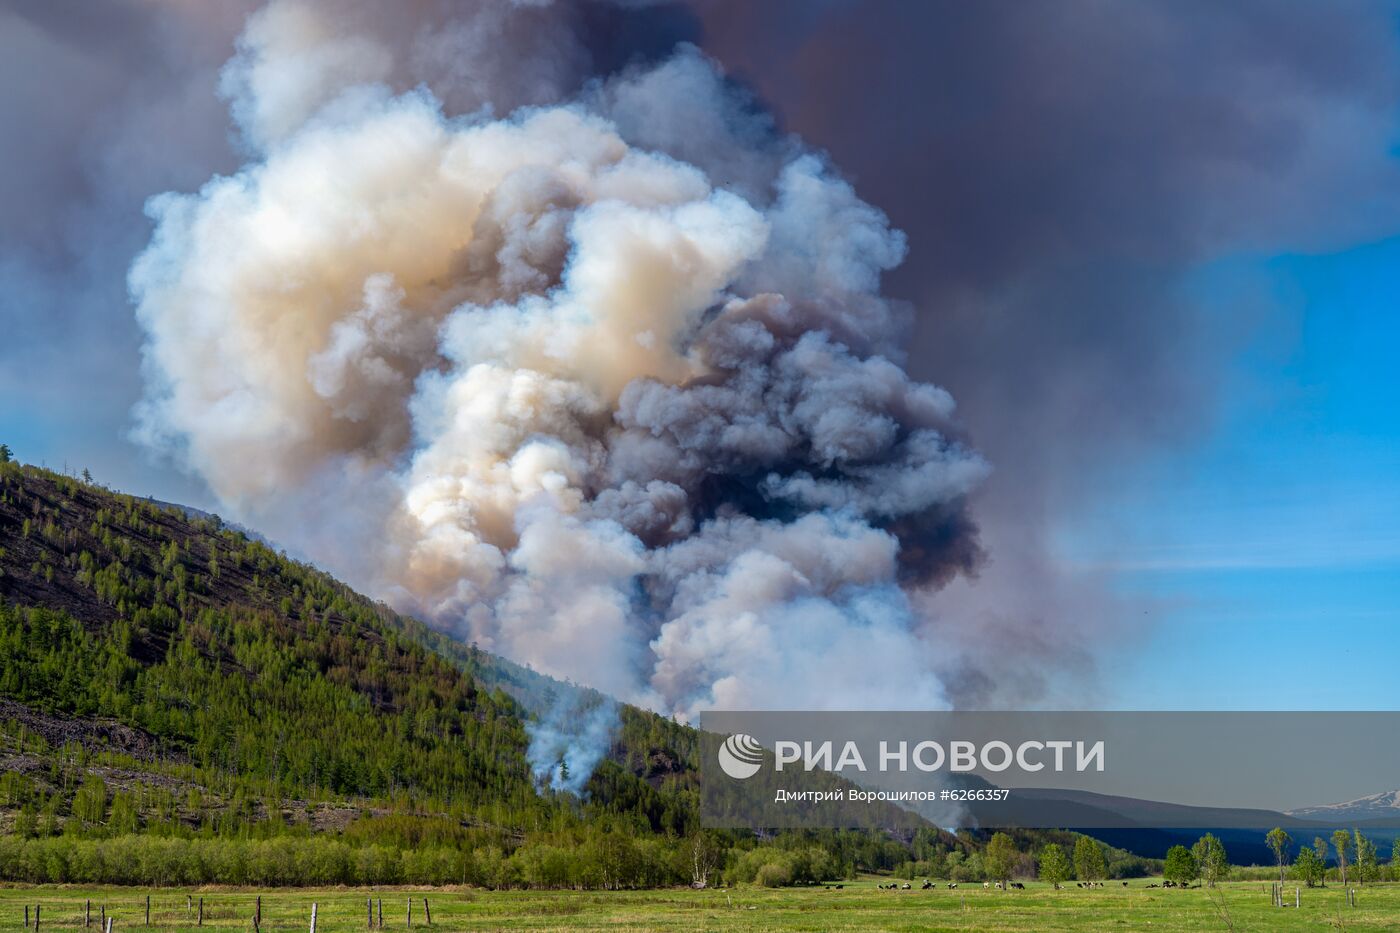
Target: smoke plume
x: 599, y: 378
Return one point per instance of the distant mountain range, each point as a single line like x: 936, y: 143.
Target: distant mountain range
x: 1150, y: 828
x: 1382, y: 806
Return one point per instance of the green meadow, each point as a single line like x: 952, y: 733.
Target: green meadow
x: 860, y: 905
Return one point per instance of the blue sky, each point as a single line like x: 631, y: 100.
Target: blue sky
x: 1267, y: 556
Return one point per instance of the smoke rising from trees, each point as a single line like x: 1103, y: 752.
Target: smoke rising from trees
x: 610, y: 393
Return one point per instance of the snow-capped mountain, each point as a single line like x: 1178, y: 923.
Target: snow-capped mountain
x: 1384, y: 804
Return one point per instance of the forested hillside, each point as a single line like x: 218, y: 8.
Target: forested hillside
x: 180, y: 702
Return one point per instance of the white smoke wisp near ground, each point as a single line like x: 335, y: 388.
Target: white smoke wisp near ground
x: 611, y: 394
x: 570, y: 738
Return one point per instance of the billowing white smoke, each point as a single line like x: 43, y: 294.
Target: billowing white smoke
x: 606, y: 386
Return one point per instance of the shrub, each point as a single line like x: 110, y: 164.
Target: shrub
x: 774, y: 875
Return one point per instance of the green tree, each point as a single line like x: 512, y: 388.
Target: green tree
x: 1308, y: 867
x: 90, y: 802
x: 6, y: 455
x: 1180, y: 866
x: 999, y: 858
x: 1088, y: 860
x: 1211, y: 860
x: 706, y: 856
x: 26, y: 822
x: 1054, y: 867
x: 123, y: 818
x: 1279, y: 840
x: 1367, y: 868
x: 1320, y: 850
x: 1341, y: 841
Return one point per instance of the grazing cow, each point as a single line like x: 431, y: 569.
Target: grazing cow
x: 1125, y: 884
x: 986, y: 884
x: 926, y: 885
x: 1018, y: 886
x: 905, y: 886
x: 952, y: 885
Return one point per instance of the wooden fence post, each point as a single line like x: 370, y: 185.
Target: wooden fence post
x: 381, y: 913
x: 109, y: 925
x: 87, y: 913
x: 427, y: 914
x: 201, y: 912
x: 102, y: 919
x: 26, y: 916
x: 36, y: 918
x: 369, y: 913
x: 410, y: 911
x: 148, y: 910
x: 258, y: 912
x: 313, y: 917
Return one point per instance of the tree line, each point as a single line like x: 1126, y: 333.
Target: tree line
x: 1356, y: 857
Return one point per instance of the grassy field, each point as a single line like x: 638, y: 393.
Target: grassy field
x: 859, y: 906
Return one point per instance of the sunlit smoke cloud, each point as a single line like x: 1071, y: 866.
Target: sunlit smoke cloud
x: 612, y: 394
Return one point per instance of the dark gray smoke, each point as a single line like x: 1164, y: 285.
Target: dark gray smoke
x: 1061, y: 172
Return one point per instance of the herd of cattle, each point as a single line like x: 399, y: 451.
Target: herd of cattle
x: 1010, y: 885
x: 896, y: 886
